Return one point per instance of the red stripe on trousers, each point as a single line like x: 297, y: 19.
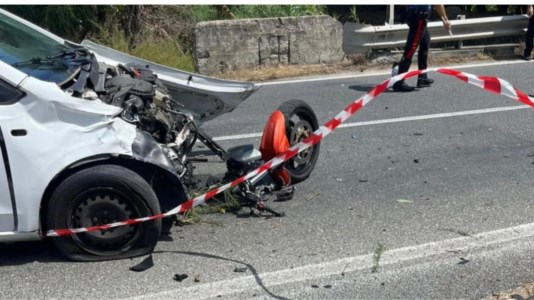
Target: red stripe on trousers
x: 415, y: 41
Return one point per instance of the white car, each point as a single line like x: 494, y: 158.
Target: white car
x: 89, y: 136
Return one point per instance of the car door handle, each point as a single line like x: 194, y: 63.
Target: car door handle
x: 18, y: 132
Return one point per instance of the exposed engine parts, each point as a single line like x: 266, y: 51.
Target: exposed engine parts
x: 147, y: 103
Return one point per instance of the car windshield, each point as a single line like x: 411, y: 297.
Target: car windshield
x: 21, y: 43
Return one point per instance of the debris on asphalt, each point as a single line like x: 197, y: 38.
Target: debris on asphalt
x: 416, y: 160
x: 240, y: 270
x: 339, y: 179
x: 404, y: 201
x: 344, y: 269
x: 463, y: 261
x: 460, y: 232
x: 313, y: 196
x: 196, y: 278
x: 144, y: 265
x: 376, y: 257
x: 354, y: 135
x: 315, y: 286
x: 327, y: 286
x: 363, y: 180
x: 286, y: 193
x: 180, y: 277
x: 418, y: 133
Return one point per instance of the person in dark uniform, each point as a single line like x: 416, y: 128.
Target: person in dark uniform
x: 530, y: 34
x: 416, y: 18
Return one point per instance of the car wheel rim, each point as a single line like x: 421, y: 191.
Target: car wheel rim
x: 98, y: 207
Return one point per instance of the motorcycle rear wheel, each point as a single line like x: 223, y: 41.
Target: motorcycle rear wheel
x: 301, y: 122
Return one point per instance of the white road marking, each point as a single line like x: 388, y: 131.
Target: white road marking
x: 347, y: 265
x: 394, y: 120
x: 382, y: 72
x: 361, y: 262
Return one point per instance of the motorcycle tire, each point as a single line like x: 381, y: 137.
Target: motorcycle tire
x: 300, y: 123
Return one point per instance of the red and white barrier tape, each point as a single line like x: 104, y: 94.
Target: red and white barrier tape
x: 491, y: 84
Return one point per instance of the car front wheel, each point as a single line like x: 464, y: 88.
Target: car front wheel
x: 100, y: 195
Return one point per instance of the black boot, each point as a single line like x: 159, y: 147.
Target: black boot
x: 424, y: 81
x: 401, y: 86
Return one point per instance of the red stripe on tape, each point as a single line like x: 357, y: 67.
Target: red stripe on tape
x: 62, y: 232
x: 266, y: 166
x: 523, y: 97
x: 354, y: 106
x: 313, y: 139
x: 453, y: 73
x: 379, y: 89
x: 131, y: 222
x: 210, y: 194
x: 186, y: 205
x: 412, y: 73
x: 332, y: 124
x: 158, y: 216
x: 491, y: 84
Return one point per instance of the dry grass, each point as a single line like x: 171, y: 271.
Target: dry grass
x: 524, y: 291
x: 380, y: 249
x: 353, y: 65
x: 269, y: 73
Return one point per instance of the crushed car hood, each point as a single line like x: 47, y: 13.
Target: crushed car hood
x: 204, y: 97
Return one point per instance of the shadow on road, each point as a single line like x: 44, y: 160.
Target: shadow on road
x: 28, y: 252
x: 20, y: 253
x: 366, y: 88
x: 249, y: 266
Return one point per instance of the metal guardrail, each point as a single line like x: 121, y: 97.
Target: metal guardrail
x: 358, y: 38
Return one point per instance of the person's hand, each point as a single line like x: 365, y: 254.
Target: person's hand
x: 447, y: 25
x: 530, y: 11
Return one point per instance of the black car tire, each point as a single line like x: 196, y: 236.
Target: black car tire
x: 99, y: 195
x: 300, y: 116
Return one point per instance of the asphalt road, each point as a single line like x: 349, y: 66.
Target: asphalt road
x: 460, y: 160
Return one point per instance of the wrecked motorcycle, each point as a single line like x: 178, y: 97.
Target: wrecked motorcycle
x: 171, y: 105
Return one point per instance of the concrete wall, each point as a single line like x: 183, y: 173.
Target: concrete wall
x: 250, y: 43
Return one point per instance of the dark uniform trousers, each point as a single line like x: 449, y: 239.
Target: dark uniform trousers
x: 528, y: 38
x: 417, y: 36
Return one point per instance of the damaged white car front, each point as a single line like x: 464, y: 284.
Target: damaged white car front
x: 85, y: 143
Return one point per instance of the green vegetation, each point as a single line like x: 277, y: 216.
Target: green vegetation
x: 164, y: 34
x: 219, y: 204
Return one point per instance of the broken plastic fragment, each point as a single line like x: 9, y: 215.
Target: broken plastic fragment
x: 463, y: 261
x: 404, y: 201
x: 180, y: 277
x: 240, y: 270
x: 146, y: 264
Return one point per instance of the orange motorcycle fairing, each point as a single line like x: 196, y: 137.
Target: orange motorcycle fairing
x: 274, y: 142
